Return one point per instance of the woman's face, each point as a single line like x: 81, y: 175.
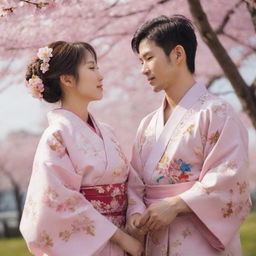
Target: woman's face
x: 89, y: 84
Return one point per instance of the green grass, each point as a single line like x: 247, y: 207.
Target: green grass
x: 13, y: 247
x: 17, y: 247
x: 248, y: 236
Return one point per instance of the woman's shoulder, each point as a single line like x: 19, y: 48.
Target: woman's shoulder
x: 55, y: 137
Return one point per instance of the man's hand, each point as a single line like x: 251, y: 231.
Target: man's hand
x: 162, y: 213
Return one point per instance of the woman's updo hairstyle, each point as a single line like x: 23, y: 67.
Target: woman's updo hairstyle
x: 66, y: 57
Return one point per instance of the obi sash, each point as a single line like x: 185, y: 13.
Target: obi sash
x: 155, y: 193
x: 110, y: 200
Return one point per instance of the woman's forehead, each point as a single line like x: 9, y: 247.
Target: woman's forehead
x: 88, y: 57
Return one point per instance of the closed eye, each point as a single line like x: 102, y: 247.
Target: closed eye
x: 93, y: 68
x: 147, y: 59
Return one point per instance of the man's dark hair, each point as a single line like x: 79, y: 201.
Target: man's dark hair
x: 168, y: 33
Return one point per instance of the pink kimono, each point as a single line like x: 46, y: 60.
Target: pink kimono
x: 77, y: 193
x: 200, y: 154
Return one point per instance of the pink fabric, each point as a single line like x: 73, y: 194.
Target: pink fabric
x: 57, y: 219
x: 200, y: 154
x: 93, y: 128
x: 155, y: 193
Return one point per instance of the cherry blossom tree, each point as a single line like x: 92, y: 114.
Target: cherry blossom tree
x: 246, y: 94
x: 109, y: 25
x: 16, y: 158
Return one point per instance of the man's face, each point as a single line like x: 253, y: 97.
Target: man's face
x: 159, y: 69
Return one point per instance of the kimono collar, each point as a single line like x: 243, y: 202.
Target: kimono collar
x: 165, y: 132
x: 189, y: 97
x: 64, y: 115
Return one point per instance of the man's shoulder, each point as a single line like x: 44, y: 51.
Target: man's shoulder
x: 217, y: 111
x: 214, y: 104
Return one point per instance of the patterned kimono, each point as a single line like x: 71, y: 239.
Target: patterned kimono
x: 200, y: 154
x: 77, y: 196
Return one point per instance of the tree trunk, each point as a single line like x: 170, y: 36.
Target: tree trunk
x: 245, y: 93
x: 6, y: 229
x: 18, y: 199
x: 17, y: 195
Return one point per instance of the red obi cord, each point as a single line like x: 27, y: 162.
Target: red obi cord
x: 110, y: 200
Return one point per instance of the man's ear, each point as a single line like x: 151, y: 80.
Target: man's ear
x: 179, y: 54
x: 67, y: 80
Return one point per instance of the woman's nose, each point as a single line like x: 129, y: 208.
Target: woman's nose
x: 100, y: 76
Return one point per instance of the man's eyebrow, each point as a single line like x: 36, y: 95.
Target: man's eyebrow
x: 90, y: 62
x: 146, y: 53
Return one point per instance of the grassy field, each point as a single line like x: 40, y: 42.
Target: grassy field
x: 248, y: 236
x: 16, y: 246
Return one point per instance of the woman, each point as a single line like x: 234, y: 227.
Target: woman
x: 76, y: 200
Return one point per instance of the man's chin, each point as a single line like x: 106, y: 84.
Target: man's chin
x: 156, y: 88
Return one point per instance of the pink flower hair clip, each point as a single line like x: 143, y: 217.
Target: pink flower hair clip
x: 35, y: 83
x: 36, y: 87
x: 44, y: 54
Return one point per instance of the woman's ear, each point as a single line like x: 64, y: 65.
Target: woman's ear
x: 67, y: 80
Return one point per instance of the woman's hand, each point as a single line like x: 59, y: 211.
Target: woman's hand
x: 132, y: 227
x: 128, y: 243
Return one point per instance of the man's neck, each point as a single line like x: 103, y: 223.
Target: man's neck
x: 175, y: 93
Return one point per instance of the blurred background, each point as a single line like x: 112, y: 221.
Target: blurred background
x: 225, y: 62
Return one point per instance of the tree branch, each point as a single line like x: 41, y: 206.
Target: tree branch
x: 112, y: 5
x: 226, y: 18
x: 247, y: 99
x: 218, y: 76
x: 235, y: 39
x: 113, y: 34
x: 39, y: 5
x: 251, y: 7
x: 140, y: 11
x: 212, y: 80
x: 225, y: 93
x: 253, y: 87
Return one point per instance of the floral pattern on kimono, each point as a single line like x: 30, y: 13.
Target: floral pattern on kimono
x: 200, y: 155
x: 57, y: 218
x: 176, y: 170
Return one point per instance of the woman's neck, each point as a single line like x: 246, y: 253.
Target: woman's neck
x: 76, y: 107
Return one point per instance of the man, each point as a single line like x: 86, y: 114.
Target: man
x: 189, y: 188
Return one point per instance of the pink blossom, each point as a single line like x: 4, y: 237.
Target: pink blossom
x: 44, y: 67
x: 44, y: 54
x: 36, y: 87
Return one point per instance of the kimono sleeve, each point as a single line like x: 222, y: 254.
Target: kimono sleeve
x: 136, y: 186
x: 220, y: 199
x: 57, y: 220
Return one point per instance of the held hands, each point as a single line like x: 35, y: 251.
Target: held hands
x: 128, y: 243
x: 162, y: 213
